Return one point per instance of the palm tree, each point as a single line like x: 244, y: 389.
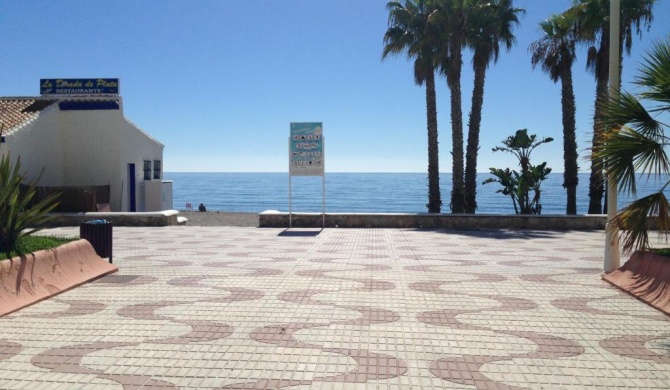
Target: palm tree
x: 450, y: 19
x: 490, y: 24
x: 409, y: 31
x: 593, y: 26
x: 635, y: 143
x: 555, y: 53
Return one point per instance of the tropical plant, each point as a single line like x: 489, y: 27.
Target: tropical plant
x: 635, y: 143
x: 593, y: 25
x: 523, y: 187
x: 490, y: 25
x: 19, y: 215
x: 410, y: 31
x: 555, y: 54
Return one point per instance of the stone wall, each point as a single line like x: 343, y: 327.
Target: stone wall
x: 446, y: 221
x: 159, y: 218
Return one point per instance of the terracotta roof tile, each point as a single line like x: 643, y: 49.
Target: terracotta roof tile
x: 15, y: 112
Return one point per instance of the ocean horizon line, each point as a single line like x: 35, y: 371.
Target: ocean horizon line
x: 338, y: 172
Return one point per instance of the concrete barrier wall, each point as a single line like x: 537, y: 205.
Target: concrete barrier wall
x: 30, y: 278
x: 159, y: 218
x: 446, y: 221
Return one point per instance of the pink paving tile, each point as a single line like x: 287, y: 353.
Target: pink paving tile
x: 244, y: 308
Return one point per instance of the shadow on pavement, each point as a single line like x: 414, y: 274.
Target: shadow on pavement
x: 500, y: 234
x: 300, y: 233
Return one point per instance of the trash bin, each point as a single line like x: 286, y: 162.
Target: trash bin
x: 99, y: 233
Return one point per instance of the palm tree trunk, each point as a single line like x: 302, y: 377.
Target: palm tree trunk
x: 570, y: 174
x: 457, y: 188
x: 434, y: 197
x: 473, y: 139
x: 596, y: 182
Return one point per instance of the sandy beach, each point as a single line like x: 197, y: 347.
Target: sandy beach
x: 216, y: 218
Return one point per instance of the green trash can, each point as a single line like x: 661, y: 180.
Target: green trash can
x: 99, y: 233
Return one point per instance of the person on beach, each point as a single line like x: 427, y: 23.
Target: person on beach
x: 202, y: 208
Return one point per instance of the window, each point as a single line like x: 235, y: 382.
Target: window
x: 147, y: 169
x: 157, y: 169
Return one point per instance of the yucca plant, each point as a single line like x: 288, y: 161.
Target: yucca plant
x: 635, y: 143
x: 19, y: 215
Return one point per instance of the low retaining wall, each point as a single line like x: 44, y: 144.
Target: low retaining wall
x: 157, y: 218
x: 646, y: 276
x: 446, y: 221
x: 30, y: 278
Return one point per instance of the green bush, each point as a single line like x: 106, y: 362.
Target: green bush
x: 30, y: 244
x: 19, y: 215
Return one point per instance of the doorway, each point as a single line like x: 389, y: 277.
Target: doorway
x: 131, y: 188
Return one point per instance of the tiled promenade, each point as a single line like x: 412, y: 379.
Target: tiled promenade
x: 248, y: 308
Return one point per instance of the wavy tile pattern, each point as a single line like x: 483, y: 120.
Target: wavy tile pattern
x: 244, y: 308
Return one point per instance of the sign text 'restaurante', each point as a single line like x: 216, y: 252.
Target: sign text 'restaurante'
x: 79, y: 86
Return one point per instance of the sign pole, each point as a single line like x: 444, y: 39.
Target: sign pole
x: 323, y: 189
x: 289, y: 187
x: 612, y: 254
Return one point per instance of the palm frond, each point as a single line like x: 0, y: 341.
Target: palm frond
x: 635, y: 141
x: 555, y: 51
x: 411, y: 33
x: 633, y: 221
x: 625, y: 109
x: 655, y: 74
x: 635, y: 14
x: 626, y: 152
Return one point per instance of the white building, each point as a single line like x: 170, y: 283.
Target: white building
x: 84, y: 141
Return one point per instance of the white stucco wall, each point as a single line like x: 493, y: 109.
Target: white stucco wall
x: 87, y: 147
x: 91, y: 145
x: 152, y: 191
x: 166, y: 195
x: 38, y: 144
x: 139, y: 147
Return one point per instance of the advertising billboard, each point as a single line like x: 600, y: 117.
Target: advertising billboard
x: 306, y: 157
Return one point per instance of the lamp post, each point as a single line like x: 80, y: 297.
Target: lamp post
x: 612, y: 255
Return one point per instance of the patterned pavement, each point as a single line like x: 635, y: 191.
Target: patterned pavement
x: 249, y: 308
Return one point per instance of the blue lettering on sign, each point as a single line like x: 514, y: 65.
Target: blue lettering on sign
x: 79, y: 86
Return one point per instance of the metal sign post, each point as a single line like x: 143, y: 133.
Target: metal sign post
x: 306, y: 158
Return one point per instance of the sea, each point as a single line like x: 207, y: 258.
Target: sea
x: 360, y: 192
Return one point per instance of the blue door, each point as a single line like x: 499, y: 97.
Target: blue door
x: 131, y: 185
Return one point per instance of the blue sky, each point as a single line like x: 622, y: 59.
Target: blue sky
x: 218, y: 82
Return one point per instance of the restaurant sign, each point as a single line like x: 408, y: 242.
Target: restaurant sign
x: 79, y: 86
x: 306, y: 149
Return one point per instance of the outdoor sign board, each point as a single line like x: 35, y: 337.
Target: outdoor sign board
x: 79, y: 86
x: 306, y: 156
